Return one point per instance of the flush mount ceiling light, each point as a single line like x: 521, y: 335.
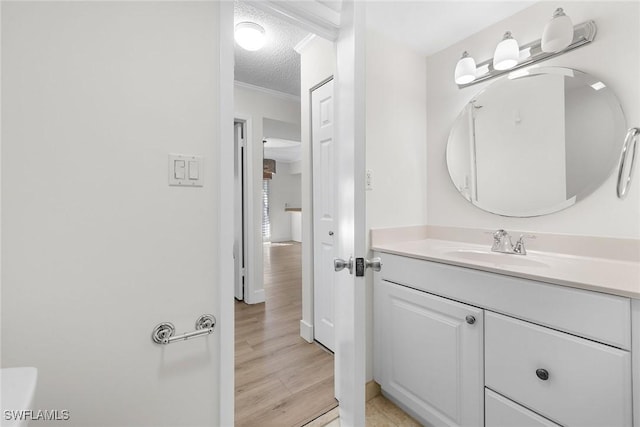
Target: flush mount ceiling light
x: 558, y: 33
x: 250, y: 36
x: 559, y: 37
x: 507, y: 53
x: 465, y: 69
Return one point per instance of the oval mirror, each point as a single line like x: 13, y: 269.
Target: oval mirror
x: 535, y: 142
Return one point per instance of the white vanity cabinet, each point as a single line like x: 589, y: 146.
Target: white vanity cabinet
x: 431, y: 354
x: 536, y: 354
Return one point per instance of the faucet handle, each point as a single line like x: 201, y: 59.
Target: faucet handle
x: 499, y: 234
x: 519, y: 248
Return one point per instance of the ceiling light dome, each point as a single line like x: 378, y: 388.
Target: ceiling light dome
x: 250, y: 36
x: 507, y: 53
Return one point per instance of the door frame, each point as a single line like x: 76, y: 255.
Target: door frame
x: 224, y: 194
x: 242, y: 204
x: 311, y: 16
x: 253, y: 286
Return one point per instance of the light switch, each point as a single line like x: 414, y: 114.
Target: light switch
x: 194, y: 170
x: 369, y: 180
x: 186, y: 170
x: 178, y: 169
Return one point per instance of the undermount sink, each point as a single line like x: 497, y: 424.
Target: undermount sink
x: 18, y: 386
x: 496, y: 258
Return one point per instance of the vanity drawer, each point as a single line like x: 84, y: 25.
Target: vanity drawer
x: 588, y: 384
x: 502, y: 412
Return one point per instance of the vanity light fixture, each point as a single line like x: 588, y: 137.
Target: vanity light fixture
x: 509, y: 56
x: 250, y: 36
x: 465, y: 69
x: 507, y: 53
x: 558, y: 33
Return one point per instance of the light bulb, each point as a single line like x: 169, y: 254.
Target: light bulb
x: 507, y: 53
x: 558, y: 33
x: 250, y: 36
x: 465, y: 70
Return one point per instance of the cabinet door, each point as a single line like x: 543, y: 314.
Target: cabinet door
x: 431, y: 354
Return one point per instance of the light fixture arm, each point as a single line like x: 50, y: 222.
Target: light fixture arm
x: 583, y: 33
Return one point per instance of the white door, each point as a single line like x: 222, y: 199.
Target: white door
x: 323, y: 148
x: 238, y: 185
x: 96, y: 241
x: 349, y: 292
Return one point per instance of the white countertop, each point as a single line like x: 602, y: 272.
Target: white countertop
x: 610, y: 276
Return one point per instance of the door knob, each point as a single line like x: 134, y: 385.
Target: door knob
x: 331, y: 233
x: 340, y: 264
x: 374, y: 263
x: 470, y: 319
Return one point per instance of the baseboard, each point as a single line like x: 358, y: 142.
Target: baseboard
x: 306, y: 331
x: 372, y: 389
x: 256, y: 297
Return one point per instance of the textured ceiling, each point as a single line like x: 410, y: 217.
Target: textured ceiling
x: 276, y: 66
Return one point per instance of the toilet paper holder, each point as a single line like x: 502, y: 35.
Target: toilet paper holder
x: 164, y: 333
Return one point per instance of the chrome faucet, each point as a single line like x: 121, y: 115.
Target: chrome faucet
x: 502, y: 243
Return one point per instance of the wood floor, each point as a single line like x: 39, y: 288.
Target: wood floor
x: 281, y: 380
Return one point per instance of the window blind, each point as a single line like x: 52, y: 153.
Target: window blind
x: 266, y: 223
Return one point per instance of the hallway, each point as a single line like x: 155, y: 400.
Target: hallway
x: 281, y: 380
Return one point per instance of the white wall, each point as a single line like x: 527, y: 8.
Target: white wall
x: 257, y: 105
x: 97, y: 248
x: 584, y: 148
x: 285, y: 191
x: 613, y: 57
x: 317, y: 63
x: 281, y: 130
x: 395, y: 144
x: 511, y: 147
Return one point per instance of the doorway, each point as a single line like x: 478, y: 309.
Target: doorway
x: 281, y: 379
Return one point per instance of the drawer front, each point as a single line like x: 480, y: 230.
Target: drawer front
x: 593, y: 315
x: 502, y: 412
x: 586, y: 383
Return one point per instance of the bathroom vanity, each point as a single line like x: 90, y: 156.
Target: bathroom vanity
x: 463, y: 336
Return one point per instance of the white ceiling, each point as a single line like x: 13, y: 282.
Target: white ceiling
x: 425, y: 26
x: 429, y: 26
x: 276, y: 66
x: 282, y: 150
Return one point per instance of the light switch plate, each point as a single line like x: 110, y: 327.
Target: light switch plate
x: 190, y: 171
x: 369, y: 180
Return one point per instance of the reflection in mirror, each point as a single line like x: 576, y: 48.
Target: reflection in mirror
x: 535, y: 142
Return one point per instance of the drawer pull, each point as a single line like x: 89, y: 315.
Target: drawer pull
x: 470, y: 319
x: 543, y: 374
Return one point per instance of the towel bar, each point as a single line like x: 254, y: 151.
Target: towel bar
x: 630, y: 146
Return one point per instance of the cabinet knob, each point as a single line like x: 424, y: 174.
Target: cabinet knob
x: 543, y: 374
x: 470, y: 319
